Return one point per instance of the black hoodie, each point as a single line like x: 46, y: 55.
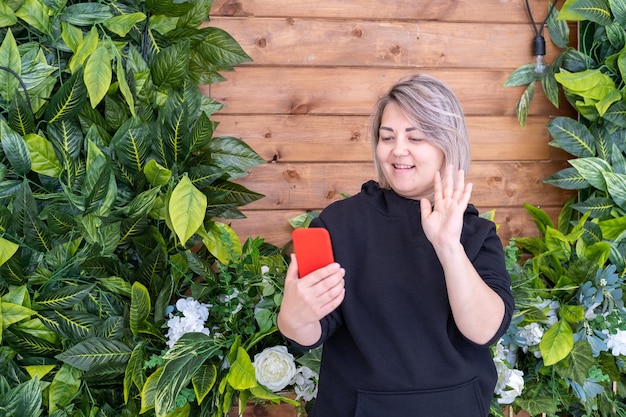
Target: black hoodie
x: 392, y: 348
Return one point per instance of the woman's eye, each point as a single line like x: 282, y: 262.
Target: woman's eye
x: 416, y: 139
x: 386, y: 138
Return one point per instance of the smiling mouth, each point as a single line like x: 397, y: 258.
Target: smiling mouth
x: 398, y: 166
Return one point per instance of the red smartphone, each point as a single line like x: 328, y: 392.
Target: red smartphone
x: 312, y: 248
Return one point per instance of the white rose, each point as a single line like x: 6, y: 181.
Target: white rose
x: 274, y: 367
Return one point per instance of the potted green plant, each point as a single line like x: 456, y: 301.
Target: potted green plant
x: 111, y: 187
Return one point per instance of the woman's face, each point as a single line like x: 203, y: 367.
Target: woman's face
x: 406, y: 158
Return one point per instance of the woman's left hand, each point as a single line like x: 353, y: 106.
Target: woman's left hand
x: 443, y: 223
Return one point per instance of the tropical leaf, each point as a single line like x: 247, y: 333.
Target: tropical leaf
x: 568, y: 179
x: 87, y: 14
x: 68, y: 100
x: 140, y: 307
x: 204, y: 380
x: 43, y: 159
x: 64, y: 297
x: 616, y: 186
x: 523, y: 75
x: 131, y: 143
x: 64, y: 387
x: 7, y: 249
x: 98, y: 74
x: 594, y: 10
x: 186, y: 208
x: 95, y: 352
x: 23, y: 400
x: 15, y: 149
x: 122, y: 24
x: 557, y: 343
x: 170, y: 66
x: 593, y: 170
x: 134, y: 373
x: 229, y: 192
x: 572, y: 136
x: 219, y: 49
x: 522, y: 106
x: 599, y: 207
x: 232, y: 152
x: 13, y: 313
x: 10, y: 58
x: 21, y: 117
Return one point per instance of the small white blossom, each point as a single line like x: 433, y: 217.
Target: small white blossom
x: 532, y: 334
x: 617, y: 343
x: 305, y: 384
x: 194, y: 314
x: 274, y: 367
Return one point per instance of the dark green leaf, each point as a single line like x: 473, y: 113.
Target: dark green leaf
x: 170, y: 66
x: 68, y: 100
x: 572, y: 136
x: 21, y: 118
x: 15, y: 149
x: 87, y: 14
x: 568, y: 179
x: 94, y: 352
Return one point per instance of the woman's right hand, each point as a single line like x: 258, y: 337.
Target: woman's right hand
x: 308, y: 299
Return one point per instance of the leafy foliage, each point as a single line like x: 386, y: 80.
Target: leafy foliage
x: 110, y: 181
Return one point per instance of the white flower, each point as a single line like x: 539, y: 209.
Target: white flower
x: 617, y: 343
x: 513, y: 384
x: 274, y: 367
x: 532, y: 334
x: 305, y: 383
x: 194, y: 314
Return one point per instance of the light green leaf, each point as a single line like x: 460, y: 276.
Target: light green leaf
x: 572, y: 313
x: 123, y: 85
x: 122, y: 24
x: 7, y: 250
x: 612, y: 228
x: 589, y: 84
x: 222, y: 241
x: 522, y: 106
x: 14, y: 313
x: 35, y: 13
x: 9, y: 57
x: 156, y: 174
x: 98, y: 74
x: 64, y: 387
x: 7, y: 15
x: 187, y: 209
x: 523, y: 75
x: 43, y: 158
x: 556, y: 343
x: 72, y: 36
x: 242, y: 375
x: 94, y: 352
x: 84, y: 50
x: 148, y: 392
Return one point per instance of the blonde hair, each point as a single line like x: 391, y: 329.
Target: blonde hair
x: 430, y: 105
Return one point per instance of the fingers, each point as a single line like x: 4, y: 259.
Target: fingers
x: 450, y: 188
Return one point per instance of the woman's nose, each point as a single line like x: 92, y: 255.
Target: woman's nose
x: 400, y: 147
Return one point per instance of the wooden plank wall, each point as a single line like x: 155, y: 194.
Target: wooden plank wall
x: 318, y: 68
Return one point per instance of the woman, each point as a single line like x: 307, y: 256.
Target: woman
x: 419, y: 289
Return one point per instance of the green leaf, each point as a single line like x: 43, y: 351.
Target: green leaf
x: 43, y: 159
x: 579, y: 362
x: 85, y: 48
x: 612, y: 228
x: 589, y: 84
x: 232, y: 153
x: 98, y: 74
x: 186, y: 208
x: 140, y: 307
x: 593, y: 170
x: 572, y: 136
x: 156, y: 174
x: 523, y: 75
x: 204, y: 380
x: 62, y: 298
x: 94, y: 352
x: 540, y: 216
x: 522, y: 106
x: 87, y: 14
x: 568, y: 179
x: 597, y: 11
x: 556, y: 343
x: 558, y: 29
x: 134, y: 373
x: 13, y: 313
x: 35, y: 14
x: 122, y: 24
x: 170, y: 66
x: 219, y: 49
x: 64, y: 387
x: 10, y: 57
x: 68, y: 100
x: 223, y: 243
x: 572, y: 314
x: 599, y: 207
x: 7, y: 250
x: 616, y: 186
x: 124, y: 87
x: 7, y: 15
x: 617, y: 112
x: 241, y: 375
x: 538, y: 405
x: 23, y: 400
x: 21, y: 118
x: 131, y: 143
x: 15, y: 149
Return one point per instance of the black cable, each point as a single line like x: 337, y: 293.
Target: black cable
x: 539, y: 43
